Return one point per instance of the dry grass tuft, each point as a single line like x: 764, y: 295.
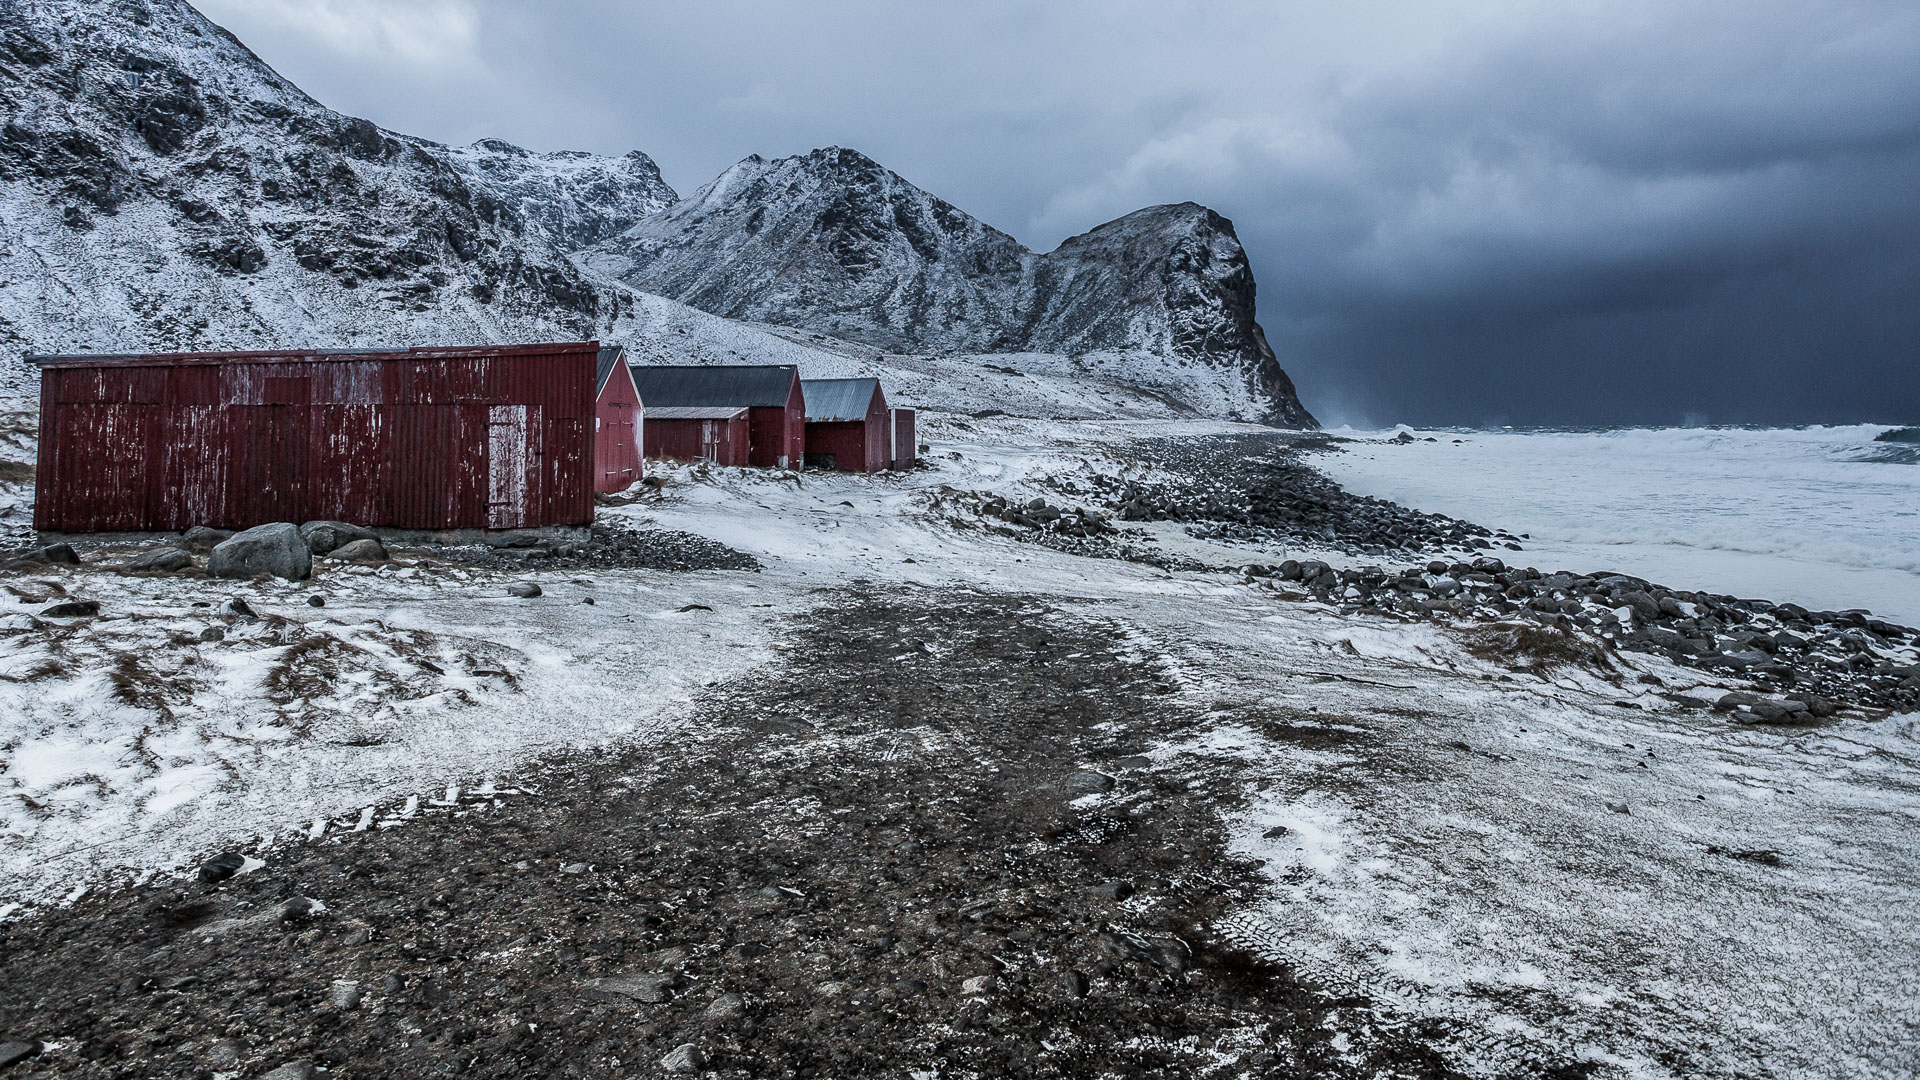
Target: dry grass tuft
x: 1530, y: 647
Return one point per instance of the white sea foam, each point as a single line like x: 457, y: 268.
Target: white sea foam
x: 1822, y: 516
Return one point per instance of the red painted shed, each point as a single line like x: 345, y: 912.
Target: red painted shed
x: 847, y: 425
x: 904, y: 450
x: 618, y: 431
x: 776, y: 410
x: 436, y: 438
x: 689, y: 433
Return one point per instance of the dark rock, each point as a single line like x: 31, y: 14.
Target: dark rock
x: 684, y: 1058
x: 159, y: 561
x: 518, y: 538
x: 648, y: 988
x: 50, y: 555
x: 222, y: 866
x: 213, y: 633
x: 316, y: 600
x: 726, y: 1009
x: 1111, y: 890
x: 14, y: 1051
x: 71, y: 609
x: 1075, y: 983
x: 1088, y: 782
x: 275, y: 549
x: 239, y: 608
x: 1734, y: 700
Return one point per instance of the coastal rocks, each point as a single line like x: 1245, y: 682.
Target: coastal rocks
x: 1812, y: 659
x: 1042, y: 515
x: 1255, y: 489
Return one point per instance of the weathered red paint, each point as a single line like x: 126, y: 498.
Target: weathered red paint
x: 619, y: 432
x: 904, y: 450
x: 721, y: 437
x: 434, y: 438
x: 854, y: 445
x: 779, y: 436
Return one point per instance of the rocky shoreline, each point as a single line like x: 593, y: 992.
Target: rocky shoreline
x: 1257, y: 490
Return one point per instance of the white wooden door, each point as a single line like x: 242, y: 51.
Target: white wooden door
x: 509, y: 462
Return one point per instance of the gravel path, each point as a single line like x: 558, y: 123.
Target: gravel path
x: 888, y: 855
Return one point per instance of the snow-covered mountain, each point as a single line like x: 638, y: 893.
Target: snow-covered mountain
x: 833, y: 242
x: 161, y: 187
x: 576, y: 198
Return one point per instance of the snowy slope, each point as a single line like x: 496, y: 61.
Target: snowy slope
x: 161, y: 187
x: 833, y: 242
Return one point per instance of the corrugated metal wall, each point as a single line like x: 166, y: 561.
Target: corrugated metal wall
x: 422, y: 439
x: 723, y: 442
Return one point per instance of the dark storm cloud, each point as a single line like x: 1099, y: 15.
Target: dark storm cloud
x: 1467, y: 212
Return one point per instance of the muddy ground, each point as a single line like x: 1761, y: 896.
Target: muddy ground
x: 876, y: 861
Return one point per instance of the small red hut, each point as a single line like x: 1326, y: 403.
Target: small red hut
x: 776, y: 408
x: 847, y: 425
x: 690, y: 433
x: 618, y: 430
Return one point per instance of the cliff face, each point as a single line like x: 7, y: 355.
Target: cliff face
x: 833, y: 242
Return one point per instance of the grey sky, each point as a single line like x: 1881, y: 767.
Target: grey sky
x: 1474, y: 211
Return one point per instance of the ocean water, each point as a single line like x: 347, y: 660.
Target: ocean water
x: 1826, y: 517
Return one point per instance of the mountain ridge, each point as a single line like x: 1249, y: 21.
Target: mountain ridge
x: 163, y: 188
x: 833, y: 241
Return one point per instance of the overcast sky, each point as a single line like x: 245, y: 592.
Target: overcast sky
x: 1483, y: 211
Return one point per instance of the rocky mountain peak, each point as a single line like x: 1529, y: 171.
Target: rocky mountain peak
x: 834, y: 242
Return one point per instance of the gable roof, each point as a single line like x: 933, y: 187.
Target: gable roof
x: 609, y: 359
x: 833, y: 400
x: 714, y: 385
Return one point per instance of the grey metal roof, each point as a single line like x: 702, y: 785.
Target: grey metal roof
x: 609, y: 359
x: 704, y: 385
x: 692, y: 412
x: 831, y: 400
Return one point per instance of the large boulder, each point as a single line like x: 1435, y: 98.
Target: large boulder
x: 275, y: 549
x: 324, y: 536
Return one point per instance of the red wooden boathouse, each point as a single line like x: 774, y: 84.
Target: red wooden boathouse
x: 776, y: 409
x: 847, y: 425
x: 618, y: 423
x: 432, y: 438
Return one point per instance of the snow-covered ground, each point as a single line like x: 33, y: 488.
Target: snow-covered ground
x: 1519, y: 852
x: 1822, y: 516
